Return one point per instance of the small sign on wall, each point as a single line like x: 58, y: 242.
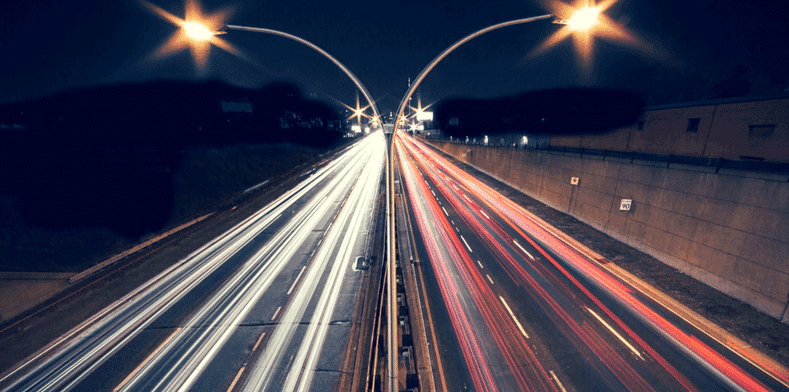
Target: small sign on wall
x: 625, y: 205
x: 574, y: 181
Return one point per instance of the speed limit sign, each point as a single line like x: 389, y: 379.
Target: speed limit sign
x: 626, y: 203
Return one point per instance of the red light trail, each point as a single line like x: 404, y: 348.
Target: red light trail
x: 477, y: 315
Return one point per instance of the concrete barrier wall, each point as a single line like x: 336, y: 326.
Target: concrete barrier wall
x: 729, y: 230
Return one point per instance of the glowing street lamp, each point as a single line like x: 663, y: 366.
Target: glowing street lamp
x: 585, y: 22
x: 584, y: 19
x: 197, y: 31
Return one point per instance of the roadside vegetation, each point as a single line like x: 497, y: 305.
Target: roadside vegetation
x: 206, y: 177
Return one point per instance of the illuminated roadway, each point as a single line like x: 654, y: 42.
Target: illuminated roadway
x: 512, y: 304
x: 268, y: 305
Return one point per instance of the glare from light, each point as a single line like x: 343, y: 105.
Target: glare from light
x: 583, y: 19
x: 358, y: 112
x: 197, y: 31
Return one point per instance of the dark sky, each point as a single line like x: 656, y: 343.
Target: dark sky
x: 687, y: 47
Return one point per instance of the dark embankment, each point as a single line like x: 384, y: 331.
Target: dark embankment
x: 85, y: 173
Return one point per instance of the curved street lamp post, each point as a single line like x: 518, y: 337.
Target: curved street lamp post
x: 318, y: 49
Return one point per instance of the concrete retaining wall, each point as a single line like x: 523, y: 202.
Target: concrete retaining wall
x: 729, y: 230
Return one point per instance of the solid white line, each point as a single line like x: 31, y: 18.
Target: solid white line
x: 480, y: 265
x: 483, y: 213
x: 513, y: 317
x: 296, y: 281
x: 464, y: 241
x: 276, y: 313
x: 633, y: 349
x: 524, y: 250
x: 445, y: 211
x: 489, y: 279
x: 559, y: 383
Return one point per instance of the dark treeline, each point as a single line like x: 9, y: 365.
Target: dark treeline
x: 556, y: 111
x: 105, y: 156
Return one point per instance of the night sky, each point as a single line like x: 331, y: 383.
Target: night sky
x: 686, y: 48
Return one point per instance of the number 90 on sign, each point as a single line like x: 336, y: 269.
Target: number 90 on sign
x: 625, y: 205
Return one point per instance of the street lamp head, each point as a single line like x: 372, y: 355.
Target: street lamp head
x: 584, y: 19
x: 197, y: 31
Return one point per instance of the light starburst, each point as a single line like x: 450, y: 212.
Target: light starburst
x: 419, y: 109
x: 196, y: 32
x: 358, y: 112
x: 584, y: 21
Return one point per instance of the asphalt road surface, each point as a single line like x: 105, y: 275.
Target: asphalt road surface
x: 268, y: 305
x: 513, y: 305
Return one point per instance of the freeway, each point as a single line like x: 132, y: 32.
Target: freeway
x: 268, y: 305
x: 514, y: 304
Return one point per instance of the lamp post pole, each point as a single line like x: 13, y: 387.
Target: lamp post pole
x: 318, y: 49
x: 391, y: 382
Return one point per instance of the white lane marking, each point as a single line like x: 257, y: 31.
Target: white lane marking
x: 524, y: 250
x: 235, y: 380
x: 456, y: 188
x: 480, y: 265
x: 434, y: 194
x: 489, y: 279
x: 464, y: 241
x: 633, y: 349
x: 559, y: 383
x: 456, y: 229
x: 469, y: 200
x: 260, y: 339
x: 297, y: 279
x: 276, y: 313
x: 445, y: 211
x: 520, y: 327
x: 483, y: 213
x: 453, y: 222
